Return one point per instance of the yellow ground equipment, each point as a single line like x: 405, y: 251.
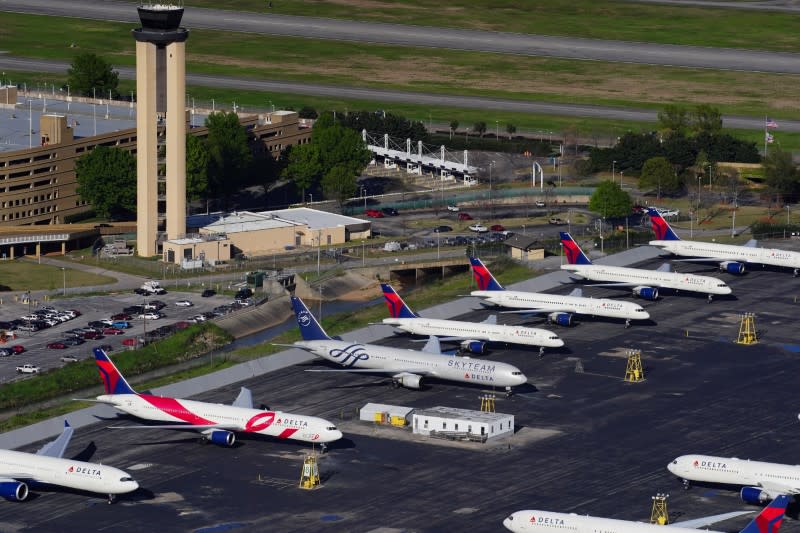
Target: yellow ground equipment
x: 747, y: 330
x: 659, y: 513
x: 309, y: 478
x: 487, y: 403
x: 634, y: 372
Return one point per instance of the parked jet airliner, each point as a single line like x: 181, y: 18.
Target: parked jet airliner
x: 560, y: 308
x: 407, y: 367
x: 768, y: 521
x: 731, y: 258
x: 472, y: 335
x: 217, y: 423
x: 644, y: 283
x: 760, y: 481
x: 48, y: 466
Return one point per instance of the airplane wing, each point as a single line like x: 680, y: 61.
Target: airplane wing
x: 432, y: 346
x: 534, y: 310
x: 778, y: 488
x: 752, y: 243
x: 706, y: 521
x: 666, y: 267
x: 423, y: 371
x: 197, y: 427
x: 57, y: 447
x: 245, y: 399
x: 491, y: 319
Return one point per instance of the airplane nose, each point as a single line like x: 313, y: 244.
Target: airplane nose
x: 645, y: 315
x: 671, y: 467
x: 336, y: 435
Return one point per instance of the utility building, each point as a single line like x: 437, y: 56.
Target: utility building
x: 462, y: 424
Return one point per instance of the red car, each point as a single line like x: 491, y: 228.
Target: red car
x: 18, y: 348
x: 112, y: 331
x: 121, y: 316
x: 498, y: 227
x: 92, y: 335
x: 374, y: 213
x: 57, y: 345
x: 464, y: 216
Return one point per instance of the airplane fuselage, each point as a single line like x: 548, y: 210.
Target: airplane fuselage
x: 549, y: 522
x: 65, y: 473
x: 732, y: 471
x: 477, y: 331
x: 355, y: 355
x: 730, y: 252
x: 604, y: 307
x: 272, y: 423
x: 653, y: 278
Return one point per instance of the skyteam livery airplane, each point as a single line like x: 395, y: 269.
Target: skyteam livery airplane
x: 760, y: 482
x: 407, y: 367
x: 559, y: 308
x: 768, y: 521
x: 644, y: 283
x: 217, y: 423
x: 471, y: 335
x: 731, y: 258
x: 48, y: 466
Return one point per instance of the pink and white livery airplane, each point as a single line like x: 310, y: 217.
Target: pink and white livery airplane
x: 218, y: 423
x: 768, y: 521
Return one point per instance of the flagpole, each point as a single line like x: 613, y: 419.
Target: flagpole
x: 766, y: 118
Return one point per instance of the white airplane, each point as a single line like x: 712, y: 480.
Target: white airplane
x: 560, y: 308
x: 407, y: 367
x: 218, y: 423
x: 768, y: 521
x: 732, y: 258
x: 472, y: 335
x: 48, y: 466
x: 644, y: 283
x: 760, y: 481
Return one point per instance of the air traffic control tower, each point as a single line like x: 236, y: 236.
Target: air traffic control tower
x: 160, y: 93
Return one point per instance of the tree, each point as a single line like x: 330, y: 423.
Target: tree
x: 673, y: 120
x: 479, y: 128
x: 340, y: 146
x: 89, y: 73
x: 307, y: 112
x: 304, y: 167
x: 339, y: 184
x: 230, y: 156
x: 197, y: 161
x: 510, y: 129
x: 781, y: 176
x: 658, y: 173
x: 706, y: 119
x: 453, y: 127
x: 106, y: 178
x: 609, y: 200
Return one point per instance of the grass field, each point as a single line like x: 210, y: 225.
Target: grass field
x: 23, y: 275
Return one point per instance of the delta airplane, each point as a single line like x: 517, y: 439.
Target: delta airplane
x: 560, y: 308
x: 218, y: 423
x: 644, y: 283
x: 472, y: 335
x: 47, y: 466
x: 407, y: 367
x: 760, y: 481
x: 732, y: 258
x: 768, y: 521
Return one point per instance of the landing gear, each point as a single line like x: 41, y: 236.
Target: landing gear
x: 509, y: 392
x: 627, y: 323
x: 687, y: 484
x: 323, y: 448
x: 111, y: 499
x: 541, y: 351
x: 795, y: 272
x: 710, y: 297
x: 395, y: 384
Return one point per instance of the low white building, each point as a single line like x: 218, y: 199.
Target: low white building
x: 461, y: 424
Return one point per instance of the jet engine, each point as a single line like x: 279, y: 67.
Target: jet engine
x: 13, y: 490
x: 561, y: 319
x: 408, y: 380
x: 646, y: 293
x: 223, y: 438
x: 732, y: 267
x: 478, y: 347
x: 755, y: 495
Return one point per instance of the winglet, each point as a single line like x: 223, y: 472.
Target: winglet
x: 575, y: 255
x: 483, y: 277
x: 113, y: 380
x: 433, y: 345
x: 309, y: 327
x: 397, y: 307
x: 661, y: 227
x: 245, y: 399
x: 770, y: 518
x: 57, y: 447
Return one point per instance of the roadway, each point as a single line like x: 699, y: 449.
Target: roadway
x: 586, y: 442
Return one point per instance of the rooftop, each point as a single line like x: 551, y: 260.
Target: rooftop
x: 464, y: 414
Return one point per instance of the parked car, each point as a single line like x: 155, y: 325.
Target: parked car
x: 480, y: 228
x: 28, y: 369
x: 453, y: 208
x: 112, y: 331
x: 140, y: 291
x: 107, y: 347
x: 155, y: 304
x: 121, y: 316
x: 18, y: 348
x: 57, y: 345
x: 557, y: 221
x: 199, y: 318
x: 442, y: 229
x: 391, y: 211
x: 69, y: 359
x: 184, y: 303
x: 150, y: 316
x: 374, y: 213
x: 540, y: 203
x: 208, y: 293
x: 92, y: 335
x: 5, y: 352
x: 121, y: 324
x: 99, y: 324
x: 392, y: 246
x: 464, y: 216
x: 73, y: 341
x: 497, y: 227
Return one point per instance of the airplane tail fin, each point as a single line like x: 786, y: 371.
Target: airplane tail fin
x: 309, y: 327
x: 770, y: 518
x: 661, y: 227
x: 113, y: 381
x: 397, y: 307
x: 575, y: 255
x: 483, y: 277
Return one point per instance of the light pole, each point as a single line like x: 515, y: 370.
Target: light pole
x: 613, y: 168
x: 497, y: 130
x: 64, y: 274
x: 311, y: 198
x: 364, y: 194
x: 787, y: 214
x: 491, y: 202
x: 709, y: 177
x: 319, y: 247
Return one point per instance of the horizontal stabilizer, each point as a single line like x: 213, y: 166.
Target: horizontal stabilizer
x: 706, y: 521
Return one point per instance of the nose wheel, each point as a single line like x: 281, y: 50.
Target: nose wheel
x: 627, y: 322
x: 111, y: 499
x: 509, y: 392
x: 687, y: 484
x: 710, y: 297
x: 541, y: 351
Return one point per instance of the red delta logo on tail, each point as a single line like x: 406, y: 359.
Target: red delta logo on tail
x: 109, y: 375
x: 660, y: 227
x: 482, y: 276
x: 393, y: 302
x: 770, y: 519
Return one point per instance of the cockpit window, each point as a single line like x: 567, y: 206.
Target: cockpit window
x: 510, y: 517
x: 331, y: 428
x: 517, y: 373
x: 675, y: 462
x: 123, y: 479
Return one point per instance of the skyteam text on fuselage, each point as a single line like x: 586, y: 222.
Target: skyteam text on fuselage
x: 406, y: 367
x: 471, y: 335
x: 731, y: 258
x: 559, y: 308
x: 644, y: 283
x: 217, y: 423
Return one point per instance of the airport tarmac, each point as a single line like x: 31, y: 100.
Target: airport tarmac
x: 604, y: 453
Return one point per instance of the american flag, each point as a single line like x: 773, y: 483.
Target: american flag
x: 769, y: 138
x: 771, y: 123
